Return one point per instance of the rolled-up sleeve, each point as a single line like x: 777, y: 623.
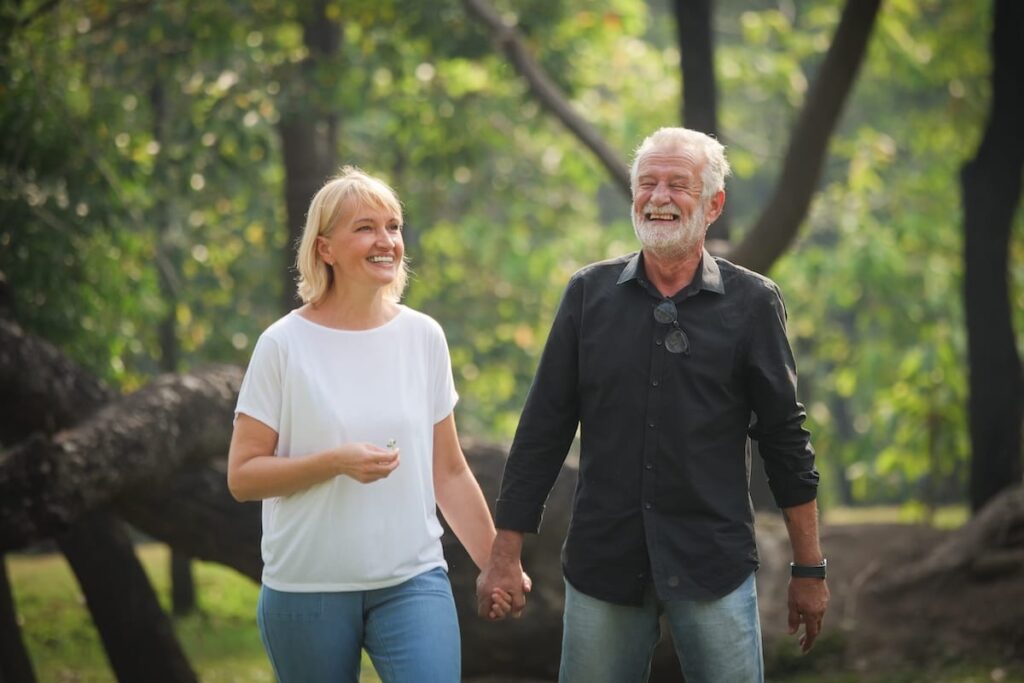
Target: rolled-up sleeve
x: 778, y: 426
x: 547, y: 424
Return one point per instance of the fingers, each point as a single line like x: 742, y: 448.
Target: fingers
x: 527, y: 583
x: 812, y: 628
x: 794, y: 620
x: 501, y: 604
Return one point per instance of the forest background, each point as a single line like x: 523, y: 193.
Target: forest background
x: 146, y: 214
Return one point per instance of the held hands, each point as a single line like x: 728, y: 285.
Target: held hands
x: 365, y: 462
x: 501, y: 590
x: 808, y: 599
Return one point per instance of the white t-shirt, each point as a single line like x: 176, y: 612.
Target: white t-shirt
x: 319, y: 388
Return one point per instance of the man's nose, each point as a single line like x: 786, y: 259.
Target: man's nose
x: 660, y: 195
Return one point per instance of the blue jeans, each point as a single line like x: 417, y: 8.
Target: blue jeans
x: 410, y: 631
x: 717, y: 641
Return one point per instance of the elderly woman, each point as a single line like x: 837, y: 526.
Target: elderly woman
x: 344, y: 429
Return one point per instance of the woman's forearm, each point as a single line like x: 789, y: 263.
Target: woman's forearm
x: 462, y: 503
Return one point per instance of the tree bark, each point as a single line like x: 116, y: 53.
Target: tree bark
x: 47, y: 483
x: 695, y: 30
x: 41, y: 390
x: 780, y: 220
x: 15, y: 664
x: 550, y: 96
x: 991, y: 194
x: 309, y: 134
x: 137, y: 636
x: 134, y: 630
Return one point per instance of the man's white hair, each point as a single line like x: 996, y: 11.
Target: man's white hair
x: 669, y: 140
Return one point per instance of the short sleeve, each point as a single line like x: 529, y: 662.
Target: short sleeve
x: 444, y: 394
x: 260, y: 395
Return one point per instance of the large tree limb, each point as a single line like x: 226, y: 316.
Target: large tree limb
x: 41, y: 390
x: 47, y: 483
x: 780, y: 220
x: 511, y: 42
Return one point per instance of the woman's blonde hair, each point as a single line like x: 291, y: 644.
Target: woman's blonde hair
x: 350, y: 186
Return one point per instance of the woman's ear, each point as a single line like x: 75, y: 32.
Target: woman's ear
x: 323, y: 250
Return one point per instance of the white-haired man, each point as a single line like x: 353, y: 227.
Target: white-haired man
x: 661, y: 358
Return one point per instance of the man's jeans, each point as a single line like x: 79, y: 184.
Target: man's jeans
x: 717, y: 641
x: 410, y: 631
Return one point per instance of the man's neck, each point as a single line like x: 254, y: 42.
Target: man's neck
x: 669, y: 273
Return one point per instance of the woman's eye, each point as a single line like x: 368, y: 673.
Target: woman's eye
x: 395, y: 228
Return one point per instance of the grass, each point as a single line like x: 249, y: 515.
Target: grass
x: 944, y: 517
x: 221, y: 641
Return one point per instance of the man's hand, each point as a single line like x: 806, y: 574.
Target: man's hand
x: 503, y: 578
x: 808, y: 600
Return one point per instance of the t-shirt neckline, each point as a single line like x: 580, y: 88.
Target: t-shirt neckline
x: 295, y: 313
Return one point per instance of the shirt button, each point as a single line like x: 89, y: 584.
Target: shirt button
x: 654, y: 383
x: 648, y: 466
x: 658, y: 342
x: 651, y: 425
x: 673, y: 581
x: 647, y: 506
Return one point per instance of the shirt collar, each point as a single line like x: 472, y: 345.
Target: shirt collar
x: 708, y: 276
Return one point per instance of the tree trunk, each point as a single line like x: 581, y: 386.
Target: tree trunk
x: 309, y: 133
x: 695, y: 30
x: 991, y: 192
x: 137, y: 636
x: 15, y: 664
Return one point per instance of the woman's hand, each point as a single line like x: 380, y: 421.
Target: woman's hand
x: 365, y: 462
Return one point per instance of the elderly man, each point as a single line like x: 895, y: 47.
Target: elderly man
x: 661, y: 358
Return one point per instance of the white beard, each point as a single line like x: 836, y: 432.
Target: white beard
x: 669, y: 240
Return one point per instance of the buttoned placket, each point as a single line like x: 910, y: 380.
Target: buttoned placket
x: 655, y: 416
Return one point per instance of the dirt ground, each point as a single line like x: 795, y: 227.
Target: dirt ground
x: 946, y: 619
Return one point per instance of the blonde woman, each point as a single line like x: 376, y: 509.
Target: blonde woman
x: 345, y: 429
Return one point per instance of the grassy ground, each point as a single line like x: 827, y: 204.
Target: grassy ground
x: 221, y: 641
x: 223, y: 645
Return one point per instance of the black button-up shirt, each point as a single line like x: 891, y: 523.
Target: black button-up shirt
x: 663, y: 490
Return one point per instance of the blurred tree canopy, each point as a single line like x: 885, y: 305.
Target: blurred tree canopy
x: 142, y: 180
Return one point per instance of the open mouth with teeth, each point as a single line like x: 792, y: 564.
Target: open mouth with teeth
x: 661, y: 216
x: 382, y: 259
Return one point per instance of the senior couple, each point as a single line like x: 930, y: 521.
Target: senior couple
x: 665, y: 360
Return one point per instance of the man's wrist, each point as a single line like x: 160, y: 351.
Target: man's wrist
x: 808, y: 571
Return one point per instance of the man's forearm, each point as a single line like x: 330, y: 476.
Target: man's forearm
x: 802, y: 526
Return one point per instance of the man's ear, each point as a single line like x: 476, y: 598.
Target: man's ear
x: 715, y: 207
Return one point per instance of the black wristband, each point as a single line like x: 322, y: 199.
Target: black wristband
x: 803, y: 571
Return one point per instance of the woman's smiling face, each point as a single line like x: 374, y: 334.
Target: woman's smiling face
x: 365, y: 248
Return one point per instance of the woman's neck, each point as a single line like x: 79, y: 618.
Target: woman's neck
x: 348, y: 310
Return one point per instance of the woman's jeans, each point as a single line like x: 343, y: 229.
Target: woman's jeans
x: 717, y: 641
x: 410, y: 631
